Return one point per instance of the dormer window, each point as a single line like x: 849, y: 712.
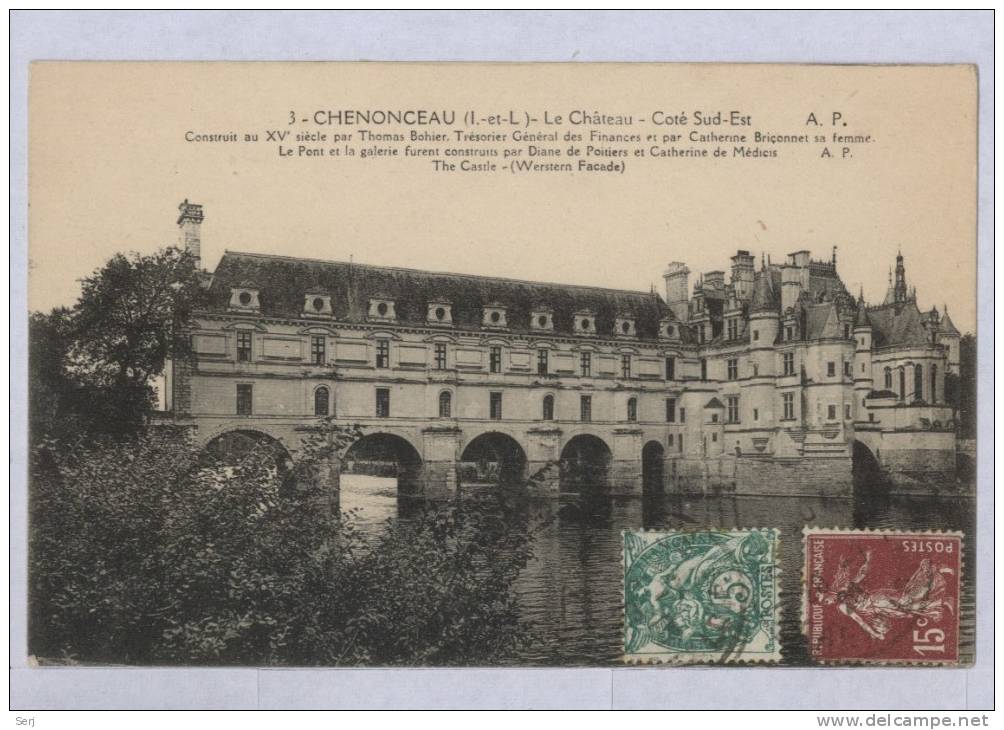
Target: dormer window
x: 494, y: 317
x: 244, y: 298
x: 624, y: 326
x: 585, y: 322
x: 439, y: 312
x: 542, y: 319
x: 382, y: 309
x: 317, y: 304
x: 668, y: 329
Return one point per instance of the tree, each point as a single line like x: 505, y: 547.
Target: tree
x: 93, y: 365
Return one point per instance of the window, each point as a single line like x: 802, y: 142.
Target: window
x: 831, y: 413
x: 586, y: 408
x: 495, y: 359
x: 495, y: 406
x: 918, y: 382
x: 789, y: 406
x: 317, y: 350
x: 934, y: 383
x: 244, y: 397
x: 670, y: 368
x: 732, y: 409
x: 756, y: 414
x: 681, y: 442
x: 704, y: 369
x: 632, y: 409
x: 756, y: 369
x: 847, y: 331
x: 733, y: 368
x: 548, y: 414
x: 382, y: 402
x: 831, y: 369
x: 714, y: 437
x: 700, y: 333
x: 733, y: 327
x: 586, y: 363
x: 541, y: 362
x: 671, y: 410
x: 902, y: 383
x: 683, y: 415
x: 321, y: 399
x: 888, y: 379
x: 871, y: 417
x: 669, y: 440
x: 445, y: 404
x: 756, y: 335
x: 847, y: 411
x: 789, y: 333
x: 847, y: 368
x: 244, y: 346
x: 789, y: 363
x: 440, y: 356
x: 625, y: 365
x: 714, y: 418
x: 383, y: 354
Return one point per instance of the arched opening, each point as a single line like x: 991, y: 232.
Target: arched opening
x: 652, y: 455
x: 866, y: 471
x: 585, y: 465
x: 385, y: 456
x: 246, y: 449
x: 493, y: 458
x: 548, y: 408
x: 322, y: 401
x: 445, y: 404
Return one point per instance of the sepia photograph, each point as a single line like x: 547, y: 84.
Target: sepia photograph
x: 291, y: 436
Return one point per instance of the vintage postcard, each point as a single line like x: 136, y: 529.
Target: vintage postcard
x: 436, y: 364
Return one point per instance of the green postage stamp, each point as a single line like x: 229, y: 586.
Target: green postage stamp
x: 701, y: 596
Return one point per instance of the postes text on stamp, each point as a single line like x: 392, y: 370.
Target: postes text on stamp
x: 701, y: 596
x: 882, y: 597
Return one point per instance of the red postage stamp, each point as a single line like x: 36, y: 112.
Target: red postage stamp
x: 883, y: 597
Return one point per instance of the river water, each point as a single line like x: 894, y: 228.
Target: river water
x: 571, y: 590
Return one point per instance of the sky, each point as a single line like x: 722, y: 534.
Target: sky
x: 108, y: 165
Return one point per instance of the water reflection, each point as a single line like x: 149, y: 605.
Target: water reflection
x: 571, y: 590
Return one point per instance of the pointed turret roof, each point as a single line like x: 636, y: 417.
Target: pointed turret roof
x: 861, y: 317
x: 764, y: 296
x: 947, y: 327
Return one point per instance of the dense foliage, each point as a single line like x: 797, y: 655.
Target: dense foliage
x: 141, y: 553
x: 91, y: 367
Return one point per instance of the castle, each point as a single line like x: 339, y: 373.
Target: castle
x: 775, y: 381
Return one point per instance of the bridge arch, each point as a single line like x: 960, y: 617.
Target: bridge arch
x: 494, y: 456
x: 242, y: 447
x: 585, y: 464
x: 866, y: 471
x: 652, y: 461
x: 387, y: 455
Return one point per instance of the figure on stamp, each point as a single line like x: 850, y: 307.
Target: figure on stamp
x: 872, y: 610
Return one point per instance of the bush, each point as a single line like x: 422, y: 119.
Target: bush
x: 141, y: 554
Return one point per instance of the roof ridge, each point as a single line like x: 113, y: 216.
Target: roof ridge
x: 404, y: 269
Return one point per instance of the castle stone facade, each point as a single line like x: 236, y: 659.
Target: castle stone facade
x: 773, y: 379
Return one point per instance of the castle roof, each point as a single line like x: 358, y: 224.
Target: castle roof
x: 947, y: 326
x: 821, y: 321
x: 765, y: 297
x: 861, y: 317
x: 283, y: 281
x: 898, y: 324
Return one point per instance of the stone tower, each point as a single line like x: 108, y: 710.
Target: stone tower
x: 677, y: 287
x: 190, y: 230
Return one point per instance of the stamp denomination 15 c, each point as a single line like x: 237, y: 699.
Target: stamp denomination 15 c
x: 882, y: 597
x: 701, y: 596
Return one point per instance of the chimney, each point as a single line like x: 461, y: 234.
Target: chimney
x: 677, y: 289
x: 190, y: 230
